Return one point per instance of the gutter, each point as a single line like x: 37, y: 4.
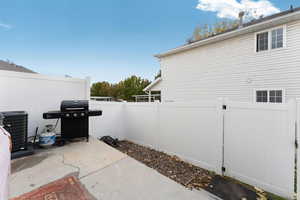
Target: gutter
x: 241, y: 31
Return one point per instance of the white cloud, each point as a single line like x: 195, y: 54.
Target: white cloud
x: 6, y: 26
x: 231, y: 8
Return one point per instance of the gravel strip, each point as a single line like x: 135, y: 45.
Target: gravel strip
x: 191, y: 176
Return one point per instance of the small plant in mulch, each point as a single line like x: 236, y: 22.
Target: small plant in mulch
x: 191, y: 176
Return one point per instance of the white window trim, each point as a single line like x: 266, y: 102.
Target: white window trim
x: 284, y: 27
x: 268, y: 95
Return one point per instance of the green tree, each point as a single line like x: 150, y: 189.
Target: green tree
x: 197, y: 33
x: 131, y: 86
x: 205, y: 31
x: 224, y: 25
x: 103, y: 89
x: 123, y: 90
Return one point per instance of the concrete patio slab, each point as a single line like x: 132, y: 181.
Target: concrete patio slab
x: 130, y: 180
x: 27, y: 177
x: 49, y: 165
x: 106, y: 173
x: 90, y: 156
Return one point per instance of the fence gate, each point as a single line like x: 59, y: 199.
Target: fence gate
x: 259, y: 145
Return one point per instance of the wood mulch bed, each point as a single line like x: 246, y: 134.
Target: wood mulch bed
x: 191, y: 176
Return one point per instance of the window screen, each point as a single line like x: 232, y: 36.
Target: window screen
x: 275, y: 96
x: 277, y: 38
x: 262, y: 41
x: 262, y: 96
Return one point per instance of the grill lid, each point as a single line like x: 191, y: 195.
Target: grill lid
x: 69, y: 105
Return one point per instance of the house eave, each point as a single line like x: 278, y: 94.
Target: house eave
x: 241, y: 31
x: 156, y: 81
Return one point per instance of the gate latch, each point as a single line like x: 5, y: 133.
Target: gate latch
x: 223, y: 169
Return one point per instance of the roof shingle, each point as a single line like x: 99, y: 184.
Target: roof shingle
x: 13, y: 67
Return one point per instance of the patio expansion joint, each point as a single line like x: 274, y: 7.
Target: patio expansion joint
x: 69, y: 165
x: 96, y: 171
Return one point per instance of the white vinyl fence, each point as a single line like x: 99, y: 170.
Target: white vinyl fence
x: 36, y: 94
x: 187, y: 130
x: 254, y: 143
x: 110, y: 123
x: 259, y: 144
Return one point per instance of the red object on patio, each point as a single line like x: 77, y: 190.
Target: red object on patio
x: 68, y: 188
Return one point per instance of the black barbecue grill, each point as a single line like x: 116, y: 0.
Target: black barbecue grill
x: 74, y: 117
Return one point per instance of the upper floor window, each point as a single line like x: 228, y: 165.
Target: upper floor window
x: 269, y: 96
x: 270, y: 39
x: 262, y: 41
x: 262, y: 96
x: 277, y: 38
x: 275, y: 96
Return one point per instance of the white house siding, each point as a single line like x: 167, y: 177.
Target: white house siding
x: 232, y: 69
x: 158, y: 86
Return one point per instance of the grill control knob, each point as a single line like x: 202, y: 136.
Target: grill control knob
x: 67, y: 115
x: 82, y: 114
x: 75, y: 115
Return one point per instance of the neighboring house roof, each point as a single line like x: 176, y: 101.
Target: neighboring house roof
x: 151, y: 85
x: 13, y: 67
x: 253, y: 26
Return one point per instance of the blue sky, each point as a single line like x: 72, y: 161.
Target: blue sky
x: 107, y: 40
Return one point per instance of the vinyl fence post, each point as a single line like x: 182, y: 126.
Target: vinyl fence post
x: 220, y: 139
x: 158, y: 126
x: 124, y: 119
x: 292, y: 132
x: 88, y: 88
x: 297, y: 154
